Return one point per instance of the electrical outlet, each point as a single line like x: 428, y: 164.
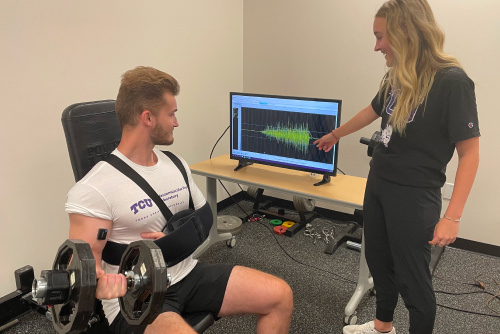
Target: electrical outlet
x: 448, y: 190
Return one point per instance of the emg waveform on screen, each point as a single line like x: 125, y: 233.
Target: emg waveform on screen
x: 295, y: 136
x: 284, y: 134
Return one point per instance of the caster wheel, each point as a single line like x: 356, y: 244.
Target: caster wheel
x: 231, y: 242
x: 350, y: 319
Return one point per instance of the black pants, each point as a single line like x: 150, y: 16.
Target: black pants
x: 399, y: 222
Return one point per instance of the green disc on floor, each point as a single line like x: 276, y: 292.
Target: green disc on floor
x: 275, y: 222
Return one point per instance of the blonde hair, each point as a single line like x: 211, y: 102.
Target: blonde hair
x: 142, y: 88
x: 417, y: 45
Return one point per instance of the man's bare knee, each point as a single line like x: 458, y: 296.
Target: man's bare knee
x: 286, y: 297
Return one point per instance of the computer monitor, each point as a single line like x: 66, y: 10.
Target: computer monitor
x: 280, y: 131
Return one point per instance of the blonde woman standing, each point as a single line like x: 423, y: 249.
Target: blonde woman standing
x: 427, y: 107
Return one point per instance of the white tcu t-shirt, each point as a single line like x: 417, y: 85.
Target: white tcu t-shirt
x: 107, y: 193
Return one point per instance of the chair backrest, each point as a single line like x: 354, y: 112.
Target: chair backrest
x: 92, y: 132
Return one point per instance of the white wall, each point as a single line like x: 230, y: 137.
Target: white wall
x: 56, y: 53
x: 324, y: 48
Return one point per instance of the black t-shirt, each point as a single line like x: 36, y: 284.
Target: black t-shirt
x: 419, y: 157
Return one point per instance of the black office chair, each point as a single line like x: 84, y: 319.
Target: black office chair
x: 92, y: 132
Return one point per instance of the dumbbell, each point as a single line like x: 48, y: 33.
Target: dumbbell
x: 374, y: 140
x: 70, y: 287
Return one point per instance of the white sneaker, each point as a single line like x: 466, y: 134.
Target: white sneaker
x: 369, y: 327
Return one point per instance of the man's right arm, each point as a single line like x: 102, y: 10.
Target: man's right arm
x: 85, y: 228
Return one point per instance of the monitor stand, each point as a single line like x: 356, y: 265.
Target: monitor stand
x: 326, y: 179
x: 242, y: 164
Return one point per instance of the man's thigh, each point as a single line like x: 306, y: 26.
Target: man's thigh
x: 252, y: 291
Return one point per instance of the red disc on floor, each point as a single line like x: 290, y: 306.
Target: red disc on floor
x: 279, y: 229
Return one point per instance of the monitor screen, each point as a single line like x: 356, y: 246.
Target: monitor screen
x: 280, y: 131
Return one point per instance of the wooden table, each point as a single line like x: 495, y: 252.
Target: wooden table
x: 343, y: 190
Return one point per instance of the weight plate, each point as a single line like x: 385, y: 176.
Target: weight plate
x: 288, y: 224
x: 75, y: 257
x: 144, y: 299
x: 275, y: 222
x: 279, y: 229
x: 231, y: 224
x: 252, y: 191
x: 302, y: 204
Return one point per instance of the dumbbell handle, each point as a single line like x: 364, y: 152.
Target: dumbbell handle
x: 135, y: 281
x: 365, y: 141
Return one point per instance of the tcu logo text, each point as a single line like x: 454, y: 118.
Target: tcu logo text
x: 141, y: 205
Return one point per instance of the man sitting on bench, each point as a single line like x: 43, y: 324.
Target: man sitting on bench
x: 107, y: 199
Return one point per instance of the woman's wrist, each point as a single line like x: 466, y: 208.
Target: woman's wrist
x: 334, y: 135
x: 457, y: 220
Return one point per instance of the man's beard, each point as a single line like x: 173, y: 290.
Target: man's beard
x: 159, y: 137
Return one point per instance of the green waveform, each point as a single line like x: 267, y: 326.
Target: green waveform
x: 297, y: 136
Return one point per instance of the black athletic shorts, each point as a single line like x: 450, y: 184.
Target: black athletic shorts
x: 202, y: 290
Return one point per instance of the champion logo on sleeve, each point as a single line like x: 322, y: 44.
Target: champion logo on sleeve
x: 470, y: 125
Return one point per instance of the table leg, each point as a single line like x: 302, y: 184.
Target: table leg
x: 213, y: 236
x: 365, y: 283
